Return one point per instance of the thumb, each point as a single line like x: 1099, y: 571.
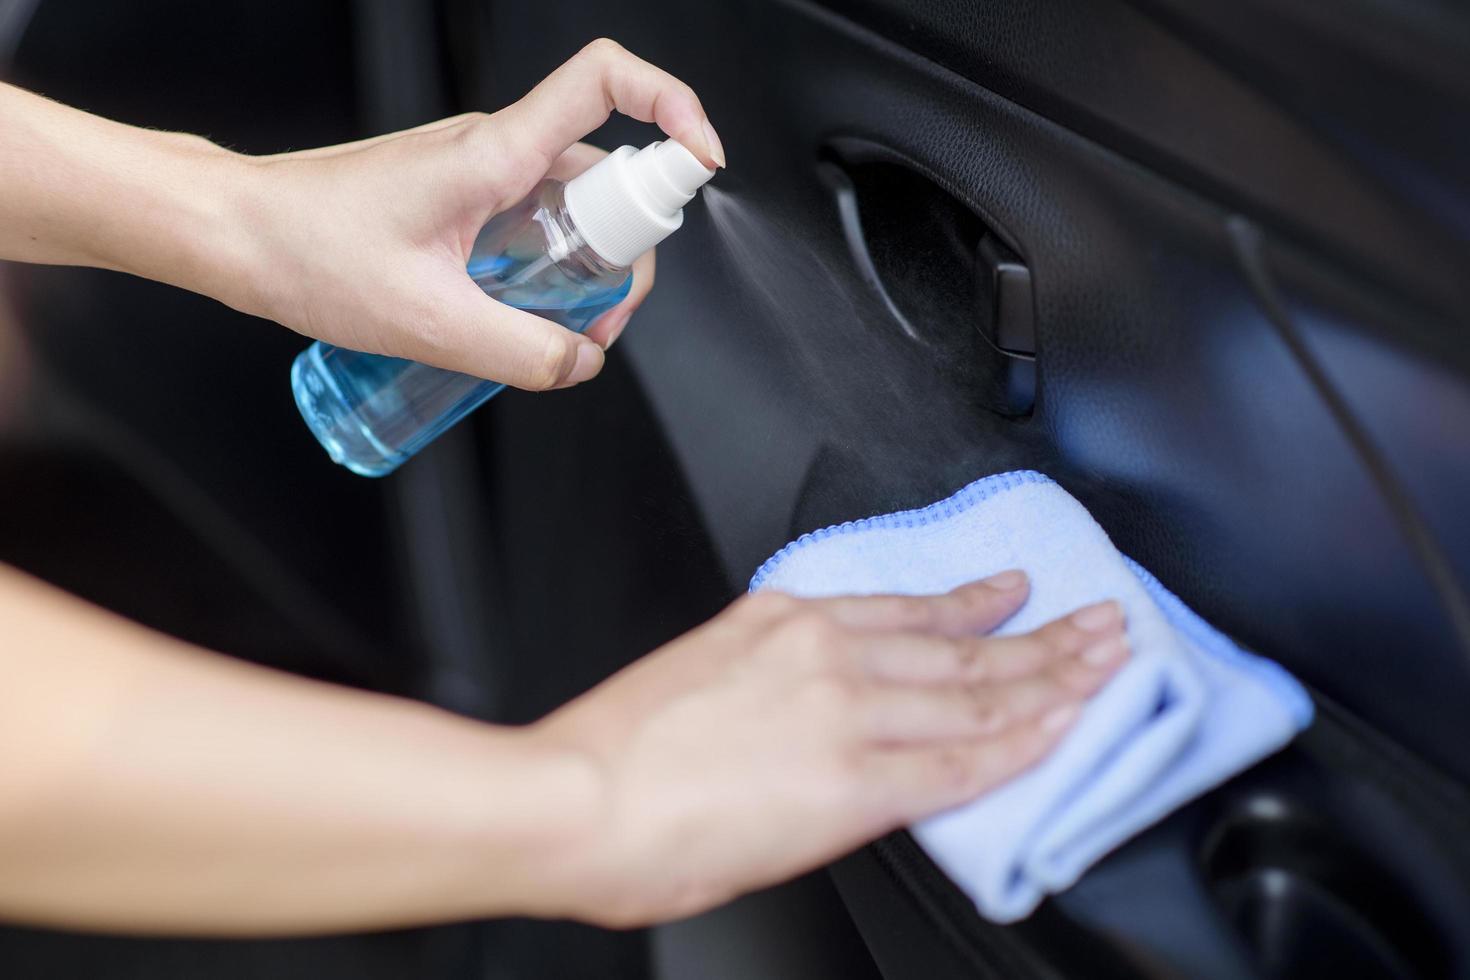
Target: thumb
x: 474, y: 334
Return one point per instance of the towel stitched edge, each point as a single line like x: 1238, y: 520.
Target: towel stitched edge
x: 1207, y: 638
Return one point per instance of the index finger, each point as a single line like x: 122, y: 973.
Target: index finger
x: 579, y: 96
x: 976, y: 607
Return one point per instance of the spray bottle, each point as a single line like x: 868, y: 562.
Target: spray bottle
x: 563, y: 253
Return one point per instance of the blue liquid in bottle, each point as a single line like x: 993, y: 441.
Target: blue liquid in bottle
x: 372, y: 413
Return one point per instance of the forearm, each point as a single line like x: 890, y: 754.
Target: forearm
x: 82, y: 190
x: 149, y: 786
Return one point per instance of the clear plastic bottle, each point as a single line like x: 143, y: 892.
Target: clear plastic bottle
x: 563, y: 253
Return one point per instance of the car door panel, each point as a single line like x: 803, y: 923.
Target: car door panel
x: 1248, y: 364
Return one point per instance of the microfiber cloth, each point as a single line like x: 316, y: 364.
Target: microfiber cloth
x: 1189, y: 709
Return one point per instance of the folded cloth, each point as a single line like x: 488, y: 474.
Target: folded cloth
x: 1188, y: 710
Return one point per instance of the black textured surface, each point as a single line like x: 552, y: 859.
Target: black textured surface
x: 607, y: 530
x: 805, y: 934
x: 1343, y: 126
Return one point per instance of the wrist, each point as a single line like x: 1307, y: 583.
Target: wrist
x: 187, y: 222
x: 165, y: 206
x: 220, y: 251
x: 539, y: 830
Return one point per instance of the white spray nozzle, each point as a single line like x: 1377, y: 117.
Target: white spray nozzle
x: 633, y: 199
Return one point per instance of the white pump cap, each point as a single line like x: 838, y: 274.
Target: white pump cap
x: 631, y: 200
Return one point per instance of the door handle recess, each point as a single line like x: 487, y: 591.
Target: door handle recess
x: 949, y: 281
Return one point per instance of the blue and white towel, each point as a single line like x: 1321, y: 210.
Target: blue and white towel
x: 1189, y: 710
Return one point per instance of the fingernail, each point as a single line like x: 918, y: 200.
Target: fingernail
x: 1007, y: 581
x: 712, y: 141
x: 1095, y: 619
x: 589, y: 362
x: 619, y: 321
x: 1058, y: 718
x: 1107, y: 652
